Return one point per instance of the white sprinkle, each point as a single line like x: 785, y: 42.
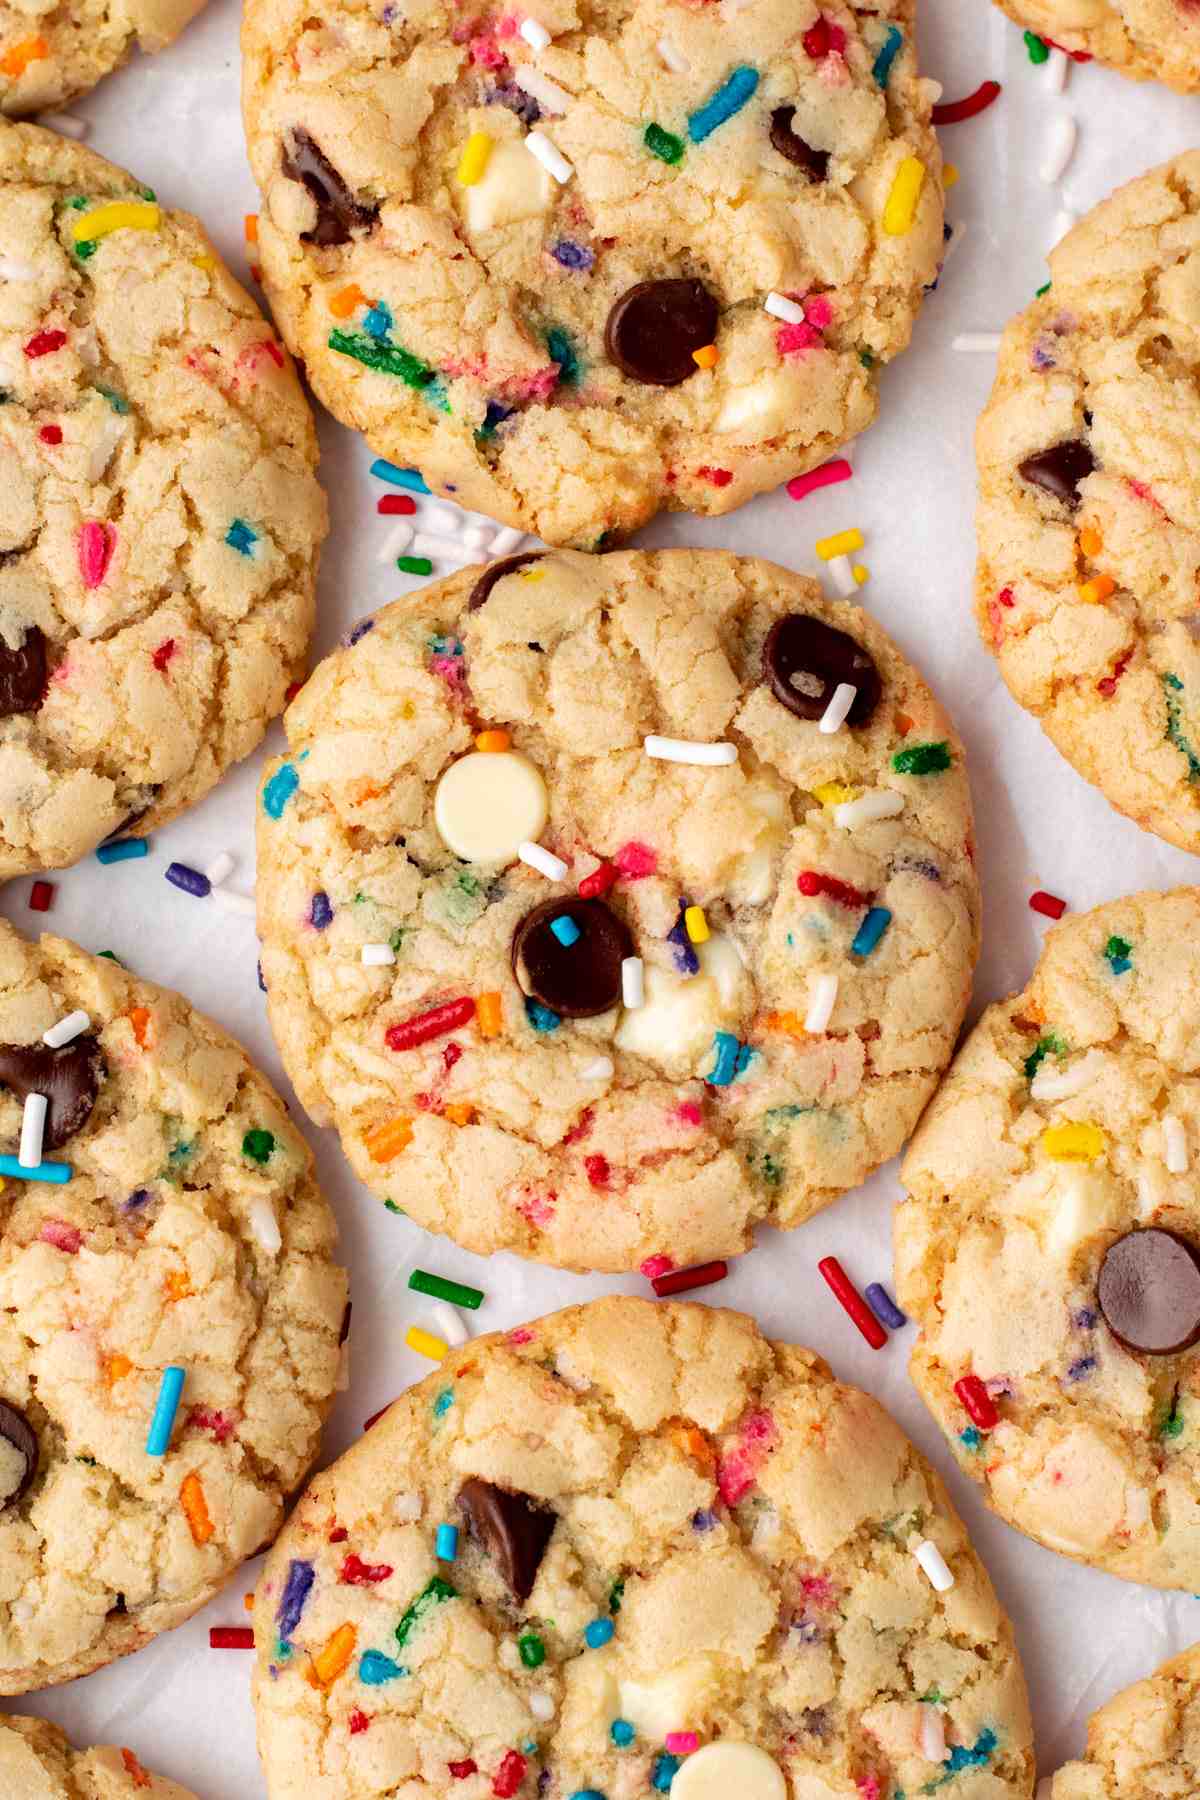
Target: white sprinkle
x: 450, y: 1323
x: 1176, y: 1144
x: 933, y: 1734
x: 446, y: 521
x: 111, y: 431
x: 232, y: 901
x: 679, y: 750
x: 880, y: 803
x: 1060, y: 148
x: 780, y: 307
x: 475, y: 536
x: 396, y: 542
x: 407, y: 1508
x: 544, y: 861
x: 977, y: 343
x: 265, y: 1225
x: 439, y: 548
x: 541, y: 1705
x: 375, y: 956
x: 1148, y: 1193
x: 21, y: 1610
x: 821, y: 1005
x: 547, y: 93
x: 633, y: 981
x: 535, y: 34
x: 674, y: 59
x: 934, y: 1565
x: 219, y: 869
x: 506, y: 540
x: 67, y: 123
x: 13, y: 269
x: 1051, y: 1083
x: 600, y: 1070
x: 841, y: 573
x: 33, y: 1125
x: 550, y: 156
x: 66, y: 1029
x: 1058, y: 65
x: 834, y: 716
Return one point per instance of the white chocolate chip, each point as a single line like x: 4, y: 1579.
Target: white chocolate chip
x: 488, y: 804
x: 674, y: 1026
x: 512, y: 187
x: 719, y: 1771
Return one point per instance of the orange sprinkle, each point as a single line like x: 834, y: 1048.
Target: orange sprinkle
x: 1090, y: 541
x: 328, y: 1663
x: 248, y: 1602
x: 493, y: 740
x: 139, y: 1018
x: 252, y: 228
x: 364, y: 791
x: 790, y: 1022
x: 693, y: 1443
x: 389, y: 1139
x: 1097, y: 589
x: 903, y: 724
x: 116, y: 1368
x: 134, y: 1769
x: 460, y: 1113
x: 706, y: 356
x: 489, y: 1015
x: 177, y: 1285
x: 17, y: 60
x: 195, y: 1506
x: 346, y: 300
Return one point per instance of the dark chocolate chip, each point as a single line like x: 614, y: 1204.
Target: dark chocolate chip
x: 23, y: 674
x: 512, y: 1530
x: 17, y: 1432
x: 496, y: 572
x: 1149, y: 1292
x: 338, y: 211
x: 804, y: 661
x: 344, y: 1333
x: 574, y: 980
x: 654, y: 327
x: 789, y: 143
x: 1059, y: 470
x: 69, y: 1077
x: 134, y: 818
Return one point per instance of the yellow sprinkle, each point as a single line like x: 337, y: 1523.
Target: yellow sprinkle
x: 3, y: 1184
x: 118, y: 215
x: 533, y: 575
x: 1097, y: 589
x: 1070, y: 1142
x: 840, y: 544
x: 205, y: 262
x: 493, y: 740
x: 425, y: 1344
x: 900, y: 211
x: 474, y: 159
x: 1090, y: 541
x: 695, y: 924
x: 860, y: 574
x: 116, y: 1368
x: 706, y: 356
x: 329, y: 1662
x: 950, y: 175
x: 832, y: 793
x: 788, y: 1022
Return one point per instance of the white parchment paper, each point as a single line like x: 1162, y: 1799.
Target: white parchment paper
x: 174, y: 120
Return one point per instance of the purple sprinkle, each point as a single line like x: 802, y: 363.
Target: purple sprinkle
x: 137, y: 1199
x: 262, y: 986
x: 296, y: 1589
x: 686, y: 960
x: 1079, y: 1369
x: 358, y: 631
x: 807, y: 1631
x: 884, y: 1307
x: 704, y: 1521
x: 182, y: 875
x: 1087, y: 1318
x: 1040, y: 358
x: 544, y: 1781
x: 320, y: 913
x: 389, y: 15
x: 572, y: 255
x: 516, y: 100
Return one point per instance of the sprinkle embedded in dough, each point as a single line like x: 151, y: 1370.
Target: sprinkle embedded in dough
x: 1175, y: 1144
x: 549, y: 155
x: 881, y: 803
x: 934, y: 1565
x: 666, y: 749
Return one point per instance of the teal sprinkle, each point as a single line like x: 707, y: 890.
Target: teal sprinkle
x: 182, y: 1151
x: 241, y: 537
x: 540, y: 1017
x: 888, y: 53
x: 728, y: 99
x: 664, y: 1772
x: 1172, y: 686
x: 443, y: 1403
x: 117, y: 401
x: 430, y: 1596
x: 664, y: 144
x: 1047, y: 1046
x: 445, y: 646
x: 279, y: 790
x: 963, y: 1757
x: 1118, y: 955
x: 282, y: 1651
x: 563, y: 352
x: 378, y: 322
x: 970, y: 1437
x: 725, y: 1067
x: 375, y: 1668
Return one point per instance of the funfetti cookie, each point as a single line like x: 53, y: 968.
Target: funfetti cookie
x: 37, y: 1763
x: 626, y: 1549
x: 575, y: 265
x: 1050, y: 1246
x: 1148, y: 39
x: 159, y: 514
x: 55, y: 52
x: 1142, y: 1744
x: 170, y: 1311
x: 611, y: 905
x: 1089, y: 516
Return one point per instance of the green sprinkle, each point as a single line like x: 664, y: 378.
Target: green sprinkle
x: 148, y: 193
x: 1047, y: 1046
x: 392, y: 1207
x: 258, y: 1145
x: 922, y: 759
x: 429, y: 1597
x: 77, y: 203
x: 423, y: 1283
x: 615, y: 1595
x: 1175, y: 733
x: 663, y: 144
x: 396, y: 939
x: 388, y: 359
x: 1044, y: 289
x: 117, y: 401
x: 113, y: 957
x: 533, y: 1651
x: 866, y: 359
x: 414, y: 565
x: 1117, y: 953
x: 1038, y: 50
x: 87, y: 248
x: 1172, y: 1425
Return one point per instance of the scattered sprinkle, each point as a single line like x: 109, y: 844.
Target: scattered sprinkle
x: 852, y: 1302
x: 1049, y: 904
x: 727, y: 100
x: 884, y: 1307
x: 425, y: 1344
x: 682, y: 1281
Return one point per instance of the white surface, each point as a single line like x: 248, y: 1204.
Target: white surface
x: 173, y: 119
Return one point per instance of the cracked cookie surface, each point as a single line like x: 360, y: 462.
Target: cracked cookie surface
x: 159, y: 517
x: 492, y: 1082
x: 527, y: 341
x: 667, y: 1525
x: 190, y: 1232
x: 52, y: 51
x: 37, y: 1763
x: 1144, y: 1744
x: 1148, y: 39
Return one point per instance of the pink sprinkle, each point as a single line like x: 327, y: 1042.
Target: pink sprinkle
x: 654, y: 1266
x: 485, y: 54
x: 96, y: 545
x: 63, y: 1236
x: 507, y: 26
x: 522, y: 1335
x: 682, y: 1743
x: 828, y: 475
x: 868, y: 1786
x: 735, y: 1477
x: 833, y: 73
x: 791, y: 339
x: 759, y: 1429
x: 689, y: 1113
x: 581, y: 1127
x: 538, y: 1209
x: 636, y: 860
x: 738, y: 1471
x: 533, y: 387
x: 450, y: 668
x: 1142, y: 491
x: 204, y: 1418
x: 818, y: 311
x: 817, y: 1588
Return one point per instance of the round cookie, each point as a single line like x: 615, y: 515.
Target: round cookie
x: 1142, y: 1744
x: 800, y: 911
x: 189, y: 1233
x: 1155, y: 40
x: 1089, y: 513
x: 1050, y: 1247
x: 37, y: 1763
x: 159, y: 520
x: 570, y: 348
x: 51, y: 53
x: 685, y: 1558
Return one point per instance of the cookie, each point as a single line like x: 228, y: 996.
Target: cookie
x: 1157, y: 40
x: 1142, y: 1744
x: 159, y: 520
x: 630, y: 1548
x: 578, y: 265
x: 1050, y: 1245
x: 37, y: 1763
x: 1089, y: 512
x: 173, y: 1223
x: 50, y: 54
x: 564, y: 995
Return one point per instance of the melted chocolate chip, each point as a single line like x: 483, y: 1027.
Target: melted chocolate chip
x: 496, y: 572
x: 69, y: 1078
x: 1149, y: 1292
x: 804, y: 661
x: 575, y: 980
x: 23, y: 674
x: 17, y: 1433
x: 654, y: 327
x: 512, y: 1530
x: 789, y: 143
x: 1059, y: 470
x: 338, y: 212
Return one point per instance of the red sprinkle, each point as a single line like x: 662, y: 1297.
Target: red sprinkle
x: 460, y: 1770
x: 682, y: 1281
x: 396, y: 503
x: 509, y: 1775
x: 356, y: 1573
x: 977, y: 1402
x: 1079, y: 56
x: 40, y: 896
x: 823, y: 37
x: 375, y: 1417
x: 230, y: 1637
x: 810, y: 882
x: 273, y: 351
x: 64, y: 1237
x: 434, y: 1023
x: 1050, y: 904
x: 800, y: 486
x: 1108, y: 686
x: 598, y: 882
x: 953, y: 112
x: 597, y: 1170
x: 338, y: 1535
x: 719, y: 477
x: 1006, y: 597
x: 357, y: 1722
x: 634, y: 860
x: 44, y: 343
x: 852, y: 1302
x: 290, y: 692
x: 51, y: 434
x: 163, y: 655
x: 655, y: 1266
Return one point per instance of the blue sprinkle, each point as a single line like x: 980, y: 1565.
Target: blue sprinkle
x: 123, y: 850
x: 1082, y: 1367
x: 320, y: 912
x: 665, y: 1770
x: 540, y: 1017
x: 725, y: 1048
x: 971, y: 1437
x: 446, y: 1547
x: 279, y: 790
x: 136, y: 1200
x: 729, y: 98
x: 621, y: 1733
x: 686, y: 960
x: 867, y: 937
x: 167, y: 1405
x: 405, y: 478
x: 884, y: 1307
x: 704, y: 1520
x: 377, y: 323
x: 746, y: 1057
x: 241, y: 537
x: 180, y: 875
x: 296, y: 1589
x: 565, y: 930
x: 598, y: 1633
x: 53, y: 1172
x: 888, y: 53
x: 262, y: 986
x: 572, y: 255
x: 495, y: 415
x: 1087, y: 1318
x: 375, y: 1668
x: 443, y: 1403
x: 358, y: 632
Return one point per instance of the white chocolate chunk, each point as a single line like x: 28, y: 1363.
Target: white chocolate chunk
x: 513, y: 187
x: 762, y: 408
x: 720, y: 1771
x: 676, y: 1701
x: 674, y: 1026
x: 488, y: 804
